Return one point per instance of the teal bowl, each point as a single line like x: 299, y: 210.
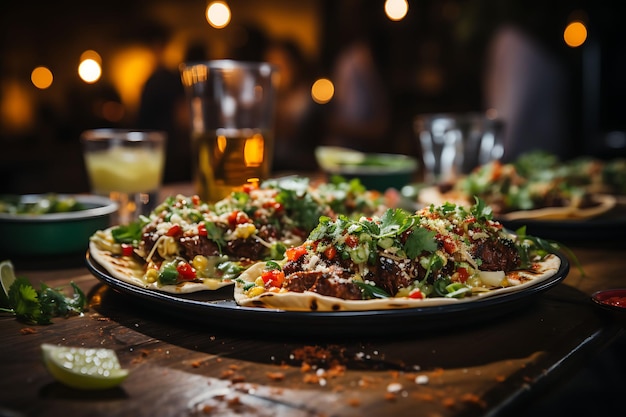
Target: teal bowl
x: 376, y: 171
x: 54, y: 233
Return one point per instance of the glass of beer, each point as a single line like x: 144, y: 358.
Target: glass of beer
x: 127, y: 167
x: 232, y: 114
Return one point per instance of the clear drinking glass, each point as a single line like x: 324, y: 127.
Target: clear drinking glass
x: 232, y: 116
x: 454, y: 144
x: 127, y: 166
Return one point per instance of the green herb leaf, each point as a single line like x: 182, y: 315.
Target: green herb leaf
x: 418, y: 241
x: 395, y: 222
x: 371, y: 291
x: 128, y: 233
x: 214, y: 233
x: 39, y: 307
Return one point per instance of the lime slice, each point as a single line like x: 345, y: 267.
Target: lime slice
x: 83, y: 368
x: 7, y: 277
x: 330, y: 157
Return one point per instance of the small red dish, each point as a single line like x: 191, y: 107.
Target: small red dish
x: 613, y: 299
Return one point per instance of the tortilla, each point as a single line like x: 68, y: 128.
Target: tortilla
x: 131, y: 271
x: 604, y: 203
x: 311, y: 301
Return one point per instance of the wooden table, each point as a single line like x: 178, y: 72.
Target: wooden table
x: 178, y: 368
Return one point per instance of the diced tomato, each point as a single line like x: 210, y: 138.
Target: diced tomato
x: 497, y: 170
x: 237, y: 217
x: 273, y: 278
x: 330, y: 253
x: 278, y: 207
x: 127, y: 250
x: 174, y: 230
x: 352, y: 241
x: 416, y: 294
x: 202, y: 229
x: 251, y: 185
x: 463, y: 274
x: 295, y: 253
x: 186, y: 271
x: 449, y: 246
x: 195, y: 200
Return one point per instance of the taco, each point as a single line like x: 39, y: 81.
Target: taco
x: 188, y: 245
x: 438, y: 255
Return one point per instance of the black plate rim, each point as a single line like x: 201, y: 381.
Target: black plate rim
x: 326, y: 322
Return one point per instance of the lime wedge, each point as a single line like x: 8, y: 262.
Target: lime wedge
x: 7, y: 277
x: 83, y: 368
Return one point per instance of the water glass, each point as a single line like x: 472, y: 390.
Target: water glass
x: 454, y: 144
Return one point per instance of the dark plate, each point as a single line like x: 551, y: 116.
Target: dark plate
x: 606, y: 227
x: 218, y: 309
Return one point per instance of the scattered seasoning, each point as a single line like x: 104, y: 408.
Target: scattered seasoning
x: 470, y: 398
x: 276, y: 376
x: 27, y: 330
x: 354, y: 402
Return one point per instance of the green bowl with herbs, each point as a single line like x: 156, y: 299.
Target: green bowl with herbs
x: 376, y: 171
x: 51, y: 224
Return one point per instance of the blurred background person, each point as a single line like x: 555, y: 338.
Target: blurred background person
x: 163, y: 106
x: 359, y: 112
x: 298, y: 124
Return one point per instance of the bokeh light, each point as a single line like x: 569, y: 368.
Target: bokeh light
x: 575, y: 34
x: 396, y: 9
x: 91, y: 54
x: 322, y: 91
x: 41, y: 77
x: 89, y: 71
x: 218, y: 14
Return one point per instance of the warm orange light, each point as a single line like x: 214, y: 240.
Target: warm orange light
x: 41, y: 77
x: 91, y: 54
x: 396, y: 9
x: 89, y: 71
x: 575, y: 34
x: 322, y: 91
x: 218, y: 14
x: 253, y: 151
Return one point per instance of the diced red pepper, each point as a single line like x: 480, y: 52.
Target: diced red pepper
x: 195, y: 200
x: 463, y: 274
x: 174, y: 230
x: 449, y: 246
x: 202, y: 229
x: 352, y: 241
x: 127, y: 250
x: 250, y: 185
x: 278, y: 207
x: 330, y: 253
x: 416, y: 294
x: 186, y: 271
x: 237, y: 217
x: 293, y: 254
x: 273, y: 278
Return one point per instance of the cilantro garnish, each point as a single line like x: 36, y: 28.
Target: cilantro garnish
x: 128, y: 233
x: 532, y: 245
x: 395, y: 222
x: 420, y: 240
x: 40, y: 306
x: 214, y: 233
x: 481, y: 210
x: 371, y: 291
